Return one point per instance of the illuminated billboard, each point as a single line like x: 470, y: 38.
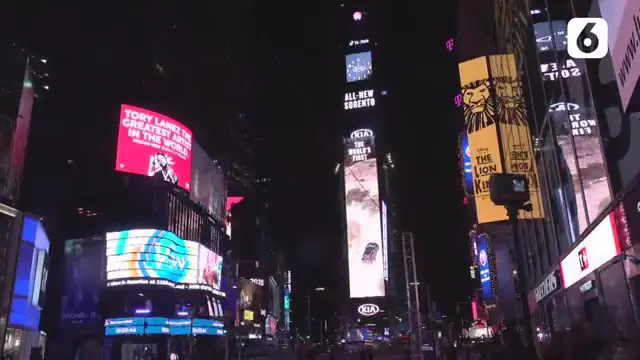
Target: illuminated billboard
x: 484, y: 266
x: 154, y: 145
x: 208, y: 186
x: 231, y: 202
x: 600, y: 246
x: 163, y: 326
x: 466, y: 164
x: 82, y: 282
x: 362, y: 202
x: 30, y: 282
x: 493, y: 103
x: 159, y: 257
x: 385, y: 241
x: 359, y: 99
x: 358, y: 66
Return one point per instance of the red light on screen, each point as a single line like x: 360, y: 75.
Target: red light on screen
x: 357, y: 16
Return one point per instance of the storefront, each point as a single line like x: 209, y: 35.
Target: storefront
x: 547, y: 305
x: 596, y: 282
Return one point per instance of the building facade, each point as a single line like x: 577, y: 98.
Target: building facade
x: 24, y: 242
x: 580, y: 264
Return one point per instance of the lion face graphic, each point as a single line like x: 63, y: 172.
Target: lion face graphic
x: 478, y: 106
x: 510, y: 102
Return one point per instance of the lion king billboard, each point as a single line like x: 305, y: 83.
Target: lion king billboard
x: 498, y: 131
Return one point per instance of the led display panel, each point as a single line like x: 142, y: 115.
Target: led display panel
x: 385, y: 241
x: 154, y: 145
x: 362, y: 202
x: 163, y: 326
x: 208, y: 186
x: 484, y: 265
x: 209, y: 268
x: 600, y: 246
x: 466, y: 164
x: 30, y: 283
x: 82, y: 282
x: 159, y: 257
x: 494, y: 104
x: 358, y: 66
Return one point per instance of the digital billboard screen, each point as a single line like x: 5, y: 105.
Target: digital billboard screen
x: 358, y: 66
x: 154, y: 145
x: 208, y: 186
x: 385, y: 241
x: 362, y: 202
x: 209, y: 268
x: 466, y: 164
x: 82, y: 282
x: 484, y: 264
x: 163, y: 326
x: 31, y: 276
x: 159, y: 257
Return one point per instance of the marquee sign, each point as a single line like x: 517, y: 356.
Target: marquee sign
x: 368, y: 309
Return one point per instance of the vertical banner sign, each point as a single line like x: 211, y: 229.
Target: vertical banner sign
x: 480, y: 124
x: 362, y: 201
x: 20, y: 138
x: 385, y: 242
x: 484, y: 265
x: 514, y: 128
x: 484, y: 108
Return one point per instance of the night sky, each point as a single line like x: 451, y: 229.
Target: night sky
x: 104, y: 55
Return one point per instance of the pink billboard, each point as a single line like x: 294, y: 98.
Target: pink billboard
x: 154, y: 145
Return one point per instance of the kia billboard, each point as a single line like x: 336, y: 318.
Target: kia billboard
x: 208, y: 186
x: 154, y: 145
x: 362, y: 202
x: 159, y: 257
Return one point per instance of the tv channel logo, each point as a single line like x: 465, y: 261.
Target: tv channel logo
x: 587, y: 38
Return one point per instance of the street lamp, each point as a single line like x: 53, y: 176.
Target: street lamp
x: 318, y: 289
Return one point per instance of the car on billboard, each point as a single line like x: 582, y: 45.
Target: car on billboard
x: 154, y: 145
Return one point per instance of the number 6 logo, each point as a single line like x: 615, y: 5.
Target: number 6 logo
x: 587, y: 38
